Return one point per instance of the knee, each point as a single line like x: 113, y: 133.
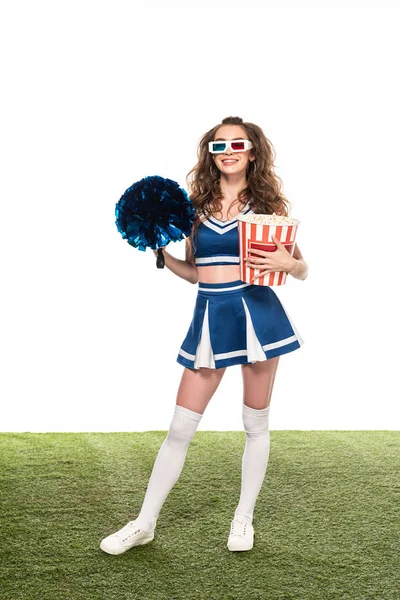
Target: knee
x: 183, y: 425
x: 255, y: 421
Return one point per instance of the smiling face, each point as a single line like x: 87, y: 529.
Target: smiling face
x: 229, y: 162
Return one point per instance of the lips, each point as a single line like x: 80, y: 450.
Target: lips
x: 231, y: 160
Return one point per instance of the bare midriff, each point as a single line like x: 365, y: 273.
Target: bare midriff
x: 218, y: 273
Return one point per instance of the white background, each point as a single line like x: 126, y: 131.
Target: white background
x: 97, y: 95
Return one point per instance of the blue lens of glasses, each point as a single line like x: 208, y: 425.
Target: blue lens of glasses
x: 218, y: 146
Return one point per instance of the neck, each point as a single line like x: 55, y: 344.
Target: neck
x: 232, y: 185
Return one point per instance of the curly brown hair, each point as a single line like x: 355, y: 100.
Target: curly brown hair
x: 264, y: 187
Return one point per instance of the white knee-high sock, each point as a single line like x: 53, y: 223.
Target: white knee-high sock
x: 255, y: 458
x: 168, y: 464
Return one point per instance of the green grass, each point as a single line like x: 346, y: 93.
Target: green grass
x: 326, y: 521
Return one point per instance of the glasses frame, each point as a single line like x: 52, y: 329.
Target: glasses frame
x: 247, y: 145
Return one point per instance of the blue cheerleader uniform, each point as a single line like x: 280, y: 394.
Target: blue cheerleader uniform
x: 233, y: 323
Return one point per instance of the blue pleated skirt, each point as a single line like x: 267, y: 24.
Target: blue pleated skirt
x: 237, y: 323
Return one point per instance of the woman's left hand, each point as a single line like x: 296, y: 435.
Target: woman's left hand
x: 269, y: 262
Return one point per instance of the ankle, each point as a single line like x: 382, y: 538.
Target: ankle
x: 145, y: 524
x: 240, y: 516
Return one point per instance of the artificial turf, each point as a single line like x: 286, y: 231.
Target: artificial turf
x: 326, y: 521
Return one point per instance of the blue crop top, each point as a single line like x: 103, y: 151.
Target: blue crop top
x: 217, y: 242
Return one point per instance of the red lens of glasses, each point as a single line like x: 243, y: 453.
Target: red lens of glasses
x: 237, y: 145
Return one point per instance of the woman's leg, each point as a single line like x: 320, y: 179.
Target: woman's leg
x: 197, y: 387
x: 195, y: 391
x: 258, y: 382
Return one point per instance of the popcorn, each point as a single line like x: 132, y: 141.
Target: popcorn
x: 273, y: 219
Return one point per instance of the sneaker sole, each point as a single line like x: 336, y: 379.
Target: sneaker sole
x: 108, y: 550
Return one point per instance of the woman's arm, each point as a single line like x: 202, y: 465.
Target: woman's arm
x: 299, y: 270
x: 183, y: 268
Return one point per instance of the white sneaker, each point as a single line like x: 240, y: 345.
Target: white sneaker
x: 241, y: 536
x: 126, y: 538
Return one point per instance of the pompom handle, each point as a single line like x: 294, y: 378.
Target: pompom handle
x: 160, y: 259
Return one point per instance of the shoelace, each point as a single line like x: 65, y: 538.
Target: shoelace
x: 238, y: 527
x: 127, y: 531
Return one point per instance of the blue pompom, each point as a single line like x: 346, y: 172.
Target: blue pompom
x: 153, y: 212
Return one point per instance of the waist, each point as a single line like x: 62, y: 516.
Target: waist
x: 218, y: 273
x: 226, y: 287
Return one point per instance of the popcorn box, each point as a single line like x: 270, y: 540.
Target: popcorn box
x: 256, y: 231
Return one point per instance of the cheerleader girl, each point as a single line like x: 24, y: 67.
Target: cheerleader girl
x: 233, y: 322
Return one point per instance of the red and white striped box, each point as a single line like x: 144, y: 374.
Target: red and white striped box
x: 257, y: 235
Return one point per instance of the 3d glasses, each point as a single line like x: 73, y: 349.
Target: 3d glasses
x: 235, y: 145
